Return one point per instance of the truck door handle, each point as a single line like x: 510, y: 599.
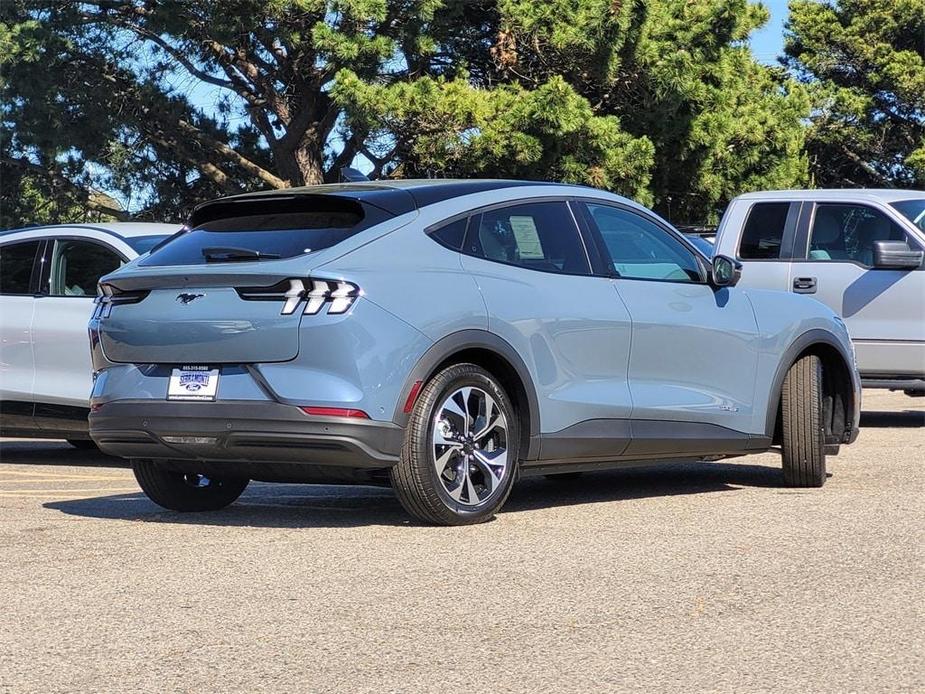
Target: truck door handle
x: 804, y: 285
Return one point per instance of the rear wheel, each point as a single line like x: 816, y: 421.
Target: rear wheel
x: 460, y: 450
x: 180, y: 491
x: 802, y: 430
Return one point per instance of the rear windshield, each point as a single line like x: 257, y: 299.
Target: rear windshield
x: 255, y: 237
x: 913, y: 210
x: 143, y: 244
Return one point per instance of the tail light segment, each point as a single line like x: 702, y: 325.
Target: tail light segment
x: 338, y: 295
x: 109, y: 296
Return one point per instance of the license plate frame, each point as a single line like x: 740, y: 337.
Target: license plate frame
x: 193, y: 382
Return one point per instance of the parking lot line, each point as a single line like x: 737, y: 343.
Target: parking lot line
x: 70, y: 492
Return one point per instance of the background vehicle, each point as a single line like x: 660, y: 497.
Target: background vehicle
x: 446, y: 336
x: 702, y: 243
x: 858, y: 251
x: 48, y: 280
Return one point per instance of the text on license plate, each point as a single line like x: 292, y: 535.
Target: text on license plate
x: 193, y: 383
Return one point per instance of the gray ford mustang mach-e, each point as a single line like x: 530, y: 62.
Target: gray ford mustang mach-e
x: 447, y: 337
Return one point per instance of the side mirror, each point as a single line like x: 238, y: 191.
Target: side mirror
x: 896, y: 255
x: 726, y: 272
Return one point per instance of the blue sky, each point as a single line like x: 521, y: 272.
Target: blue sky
x: 768, y: 43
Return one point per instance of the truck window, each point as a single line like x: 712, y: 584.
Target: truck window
x: 847, y: 233
x: 764, y: 231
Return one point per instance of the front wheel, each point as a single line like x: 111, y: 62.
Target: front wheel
x: 460, y: 451
x: 803, y: 432
x: 180, y: 491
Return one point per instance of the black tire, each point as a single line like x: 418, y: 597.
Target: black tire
x: 83, y: 444
x: 419, y: 487
x: 178, y: 491
x: 802, y: 429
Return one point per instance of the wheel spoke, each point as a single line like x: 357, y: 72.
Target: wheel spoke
x: 492, y: 467
x: 499, y: 422
x: 442, y: 460
x: 470, y: 489
x: 464, y: 394
x: 441, y: 439
x: 454, y: 408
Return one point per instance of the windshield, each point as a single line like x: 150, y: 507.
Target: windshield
x: 258, y: 237
x: 913, y: 210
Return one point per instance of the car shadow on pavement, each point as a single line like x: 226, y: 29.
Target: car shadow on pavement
x: 52, y: 452
x: 641, y: 482
x: 306, y: 506
x: 905, y: 419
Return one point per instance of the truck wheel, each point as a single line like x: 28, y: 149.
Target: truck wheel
x: 460, y: 449
x: 803, y: 434
x: 179, y: 491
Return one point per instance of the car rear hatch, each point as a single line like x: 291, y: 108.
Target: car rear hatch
x: 235, y: 287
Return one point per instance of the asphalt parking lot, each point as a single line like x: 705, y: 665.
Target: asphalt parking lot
x: 707, y: 577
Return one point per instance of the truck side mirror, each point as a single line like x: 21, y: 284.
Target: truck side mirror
x: 896, y: 255
x: 725, y: 272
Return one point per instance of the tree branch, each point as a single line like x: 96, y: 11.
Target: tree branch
x: 93, y: 200
x: 231, y: 154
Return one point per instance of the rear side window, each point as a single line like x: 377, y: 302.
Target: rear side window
x: 267, y: 234
x: 16, y: 260
x: 76, y: 267
x: 537, y: 236
x: 453, y: 234
x: 763, y: 235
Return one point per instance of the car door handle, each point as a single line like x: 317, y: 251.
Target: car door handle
x: 804, y: 285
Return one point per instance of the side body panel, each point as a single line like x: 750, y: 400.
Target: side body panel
x: 695, y: 353
x: 63, y: 374
x: 572, y: 333
x: 17, y: 364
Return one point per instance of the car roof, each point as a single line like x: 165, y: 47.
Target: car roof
x: 395, y: 197
x: 121, y: 229
x: 885, y: 195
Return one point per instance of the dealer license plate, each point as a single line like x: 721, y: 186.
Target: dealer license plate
x: 193, y: 383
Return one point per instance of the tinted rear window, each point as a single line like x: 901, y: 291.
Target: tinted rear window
x: 16, y: 261
x: 267, y: 235
x: 764, y: 231
x: 143, y: 244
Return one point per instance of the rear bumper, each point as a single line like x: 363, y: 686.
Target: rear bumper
x: 237, y: 431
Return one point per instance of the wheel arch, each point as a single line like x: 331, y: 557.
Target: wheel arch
x: 840, y: 390
x: 496, y: 356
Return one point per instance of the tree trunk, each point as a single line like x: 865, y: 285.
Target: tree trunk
x: 302, y: 165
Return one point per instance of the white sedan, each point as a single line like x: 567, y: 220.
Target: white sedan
x: 48, y: 278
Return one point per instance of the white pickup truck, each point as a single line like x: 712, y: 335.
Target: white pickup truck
x: 861, y: 252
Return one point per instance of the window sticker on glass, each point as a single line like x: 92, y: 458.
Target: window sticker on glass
x: 528, y: 240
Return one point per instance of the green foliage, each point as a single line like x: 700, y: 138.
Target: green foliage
x: 866, y: 62
x: 657, y: 99
x: 449, y: 128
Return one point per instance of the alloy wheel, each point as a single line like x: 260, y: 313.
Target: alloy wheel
x: 470, y: 446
